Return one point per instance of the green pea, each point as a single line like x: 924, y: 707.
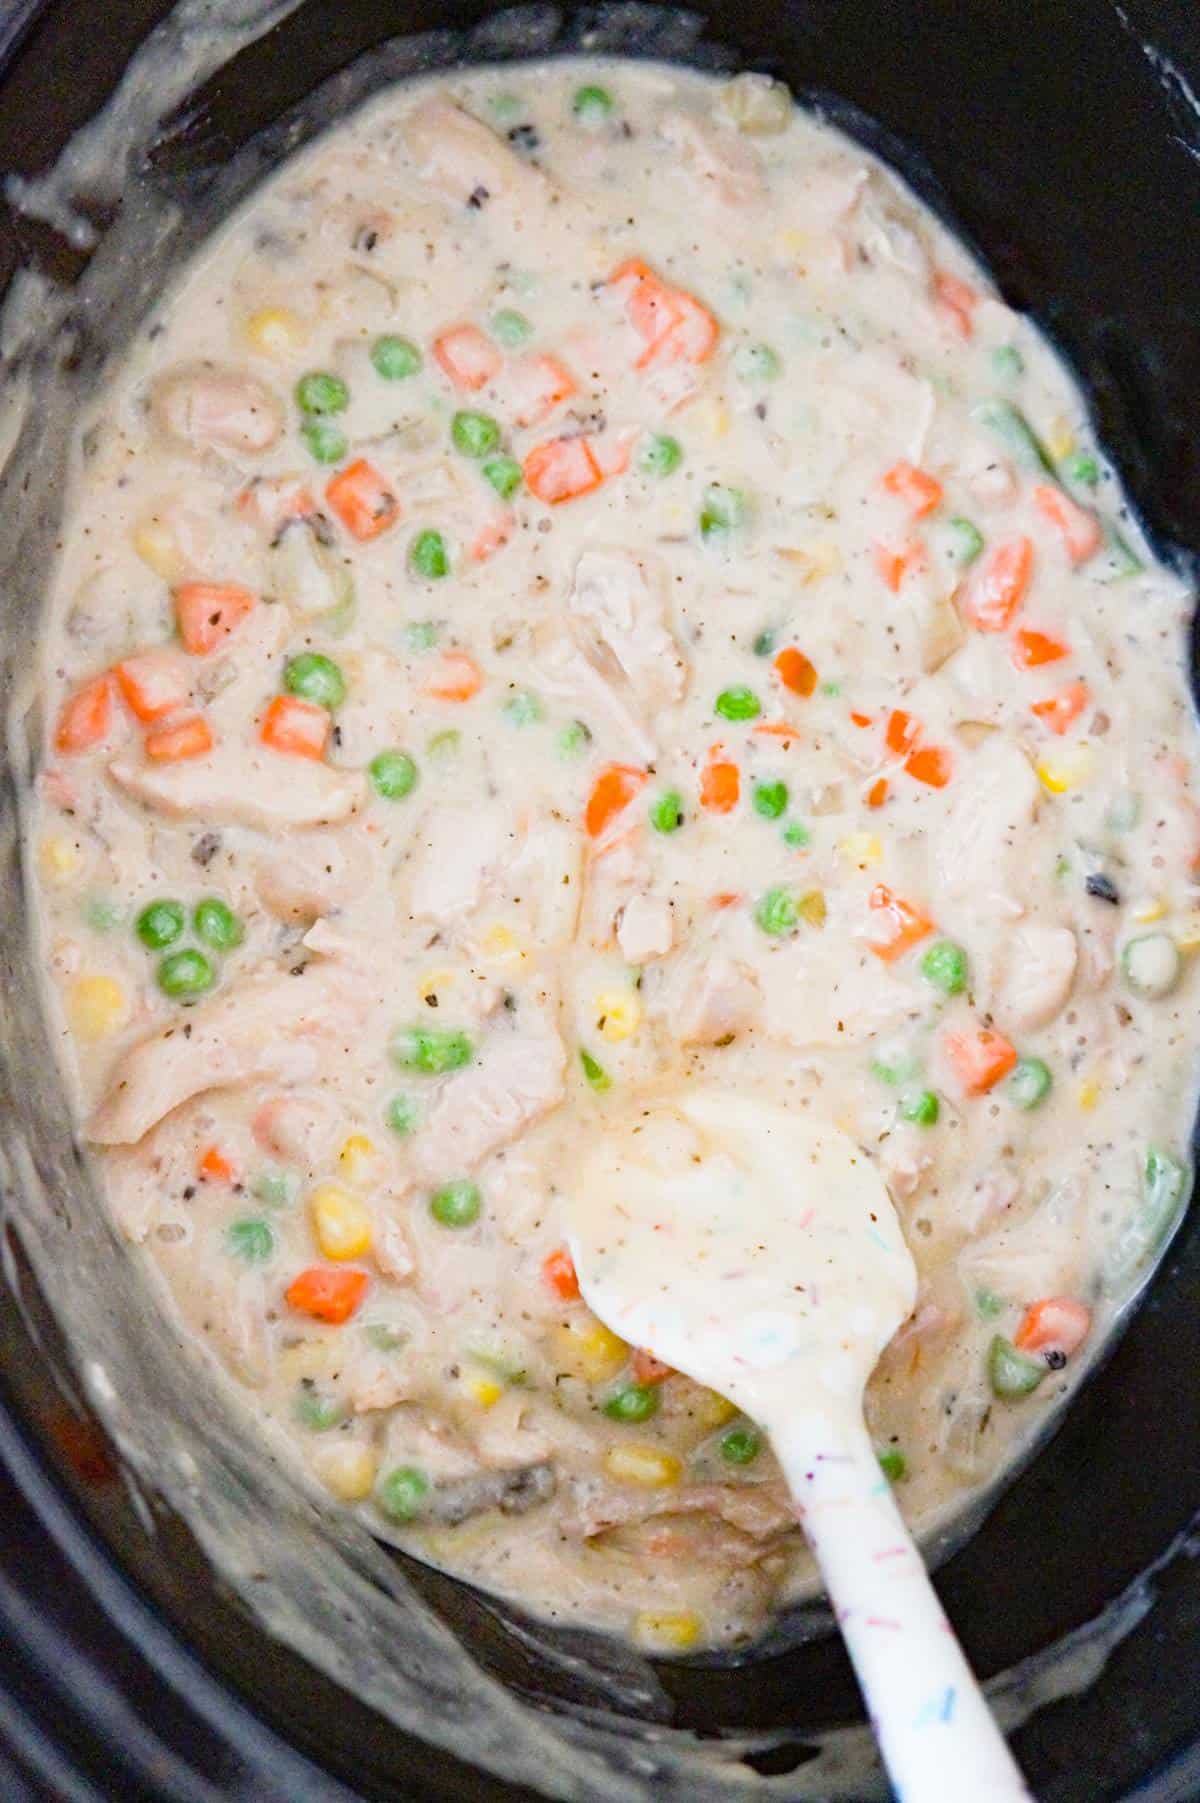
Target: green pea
x: 474, y: 434
x: 963, y: 540
x: 666, y: 811
x: 510, y: 328
x: 894, y: 1066
x: 738, y: 704
x: 402, y: 1492
x: 384, y: 1337
x: 1007, y: 362
x: 632, y: 1402
x: 988, y: 1305
x: 921, y: 1107
x: 1011, y: 1373
x: 431, y: 1050
x: 217, y: 925
x: 420, y: 635
x: 756, y: 363
x: 573, y: 739
x: 592, y: 106
x: 770, y: 799
x: 428, y: 557
x: 831, y: 688
x: 893, y: 1464
x: 796, y: 834
x: 764, y: 644
x: 184, y: 974
x: 723, y: 511
x: 444, y: 746
x: 1029, y: 1084
x: 595, y: 1072
x: 660, y: 455
x: 524, y: 708
x: 271, y: 1186
x: 315, y: 677
x: 1081, y: 469
x: 456, y: 1204
x: 317, y: 1412
x: 251, y: 1239
x: 777, y: 913
x: 945, y: 966
x: 393, y: 775
x: 159, y: 924
x: 741, y: 1444
x: 401, y: 1115
x: 102, y: 915
x: 504, y: 474
x: 395, y: 358
x: 326, y: 442
x: 321, y: 392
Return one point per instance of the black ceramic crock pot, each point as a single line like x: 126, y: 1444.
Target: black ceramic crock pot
x: 1062, y: 137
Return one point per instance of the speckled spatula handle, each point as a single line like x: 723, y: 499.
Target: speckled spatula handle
x: 938, y: 1737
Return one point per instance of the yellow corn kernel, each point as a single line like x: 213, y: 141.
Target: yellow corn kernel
x: 155, y: 544
x: 635, y: 1462
x: 1060, y: 439
x: 861, y: 849
x: 1063, y: 771
x: 585, y: 1348
x: 482, y: 1388
x: 97, y: 1006
x: 1148, y: 908
x: 667, y: 1630
x: 357, y: 1158
x: 348, y: 1469
x: 433, y: 983
x: 711, y: 1410
x: 276, y: 332
x: 812, y: 563
x: 1187, y: 932
x: 811, y: 908
x: 59, y: 859
x: 500, y: 945
x: 1088, y: 1093
x: 618, y: 1014
x: 712, y: 417
x: 341, y: 1223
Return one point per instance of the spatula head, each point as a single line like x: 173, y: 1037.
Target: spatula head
x: 748, y: 1245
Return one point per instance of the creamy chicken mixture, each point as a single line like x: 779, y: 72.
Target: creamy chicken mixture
x: 584, y: 588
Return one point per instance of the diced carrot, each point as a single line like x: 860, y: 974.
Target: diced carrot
x: 152, y: 684
x: 920, y: 492
x: 877, y: 794
x: 956, y: 301
x: 468, y: 358
x: 724, y: 898
x: 208, y: 612
x: 627, y: 276
x: 692, y: 339
x: 295, y: 727
x: 86, y: 717
x: 561, y: 470
x: 720, y: 786
x: 674, y: 326
x: 646, y: 1368
x: 542, y: 383
x: 894, y: 562
x: 776, y: 729
x: 457, y: 678
x: 213, y: 1166
x: 1060, y: 711
x: 930, y: 764
x: 363, y: 500
x: 188, y: 736
x: 994, y: 595
x: 795, y: 671
x: 327, y: 1295
x: 861, y: 720
x: 1031, y: 648
x: 651, y: 308
x: 1055, y: 1324
x: 489, y: 539
x: 614, y: 789
x: 902, y: 732
x: 901, y: 926
x: 1079, y: 530
x: 558, y: 1269
x: 979, y: 1059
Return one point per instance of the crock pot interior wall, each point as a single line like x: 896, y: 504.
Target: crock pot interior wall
x: 1070, y: 153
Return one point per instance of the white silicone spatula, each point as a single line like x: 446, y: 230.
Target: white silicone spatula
x: 758, y: 1251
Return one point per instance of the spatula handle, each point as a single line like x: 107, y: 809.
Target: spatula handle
x: 938, y: 1737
